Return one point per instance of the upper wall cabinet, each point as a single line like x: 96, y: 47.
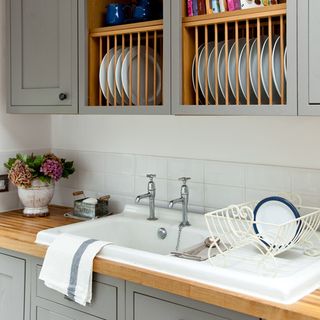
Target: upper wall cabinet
x: 43, y: 65
x: 240, y: 62
x: 309, y: 53
x: 124, y: 61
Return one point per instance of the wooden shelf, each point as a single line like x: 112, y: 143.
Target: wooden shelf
x: 231, y: 16
x: 154, y: 25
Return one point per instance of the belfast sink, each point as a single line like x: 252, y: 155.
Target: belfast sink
x: 135, y: 241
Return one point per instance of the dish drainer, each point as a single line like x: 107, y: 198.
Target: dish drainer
x: 237, y: 230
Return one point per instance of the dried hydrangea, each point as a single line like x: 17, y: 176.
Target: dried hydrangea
x: 52, y: 168
x: 20, y: 174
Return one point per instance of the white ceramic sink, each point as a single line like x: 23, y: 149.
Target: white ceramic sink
x: 136, y: 242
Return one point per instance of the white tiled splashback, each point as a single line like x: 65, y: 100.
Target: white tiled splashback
x: 214, y: 184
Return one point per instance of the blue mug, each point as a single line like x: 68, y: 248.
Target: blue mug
x: 141, y: 13
x: 117, y: 13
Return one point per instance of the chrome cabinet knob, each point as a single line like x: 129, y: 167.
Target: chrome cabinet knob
x: 62, y: 96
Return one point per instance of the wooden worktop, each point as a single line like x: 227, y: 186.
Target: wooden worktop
x: 18, y: 234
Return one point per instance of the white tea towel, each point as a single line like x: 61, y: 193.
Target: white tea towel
x: 68, y: 265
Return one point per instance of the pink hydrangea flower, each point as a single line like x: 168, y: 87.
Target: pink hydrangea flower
x: 52, y: 168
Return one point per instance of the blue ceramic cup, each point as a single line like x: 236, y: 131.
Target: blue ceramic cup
x: 117, y: 13
x: 142, y: 12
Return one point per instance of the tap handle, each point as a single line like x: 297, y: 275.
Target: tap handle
x: 151, y: 176
x: 184, y: 179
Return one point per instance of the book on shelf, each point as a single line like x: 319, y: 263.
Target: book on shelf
x: 195, y: 7
x: 209, y: 7
x: 201, y: 7
x: 189, y: 8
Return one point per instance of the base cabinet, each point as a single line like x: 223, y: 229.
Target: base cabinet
x: 57, y: 312
x: 12, y: 288
x: 24, y: 297
x: 145, y: 304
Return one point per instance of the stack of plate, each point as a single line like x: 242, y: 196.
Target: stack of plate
x: 115, y: 74
x: 242, y: 71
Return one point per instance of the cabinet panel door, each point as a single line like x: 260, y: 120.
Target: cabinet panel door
x: 58, y: 313
x: 308, y: 57
x: 144, y: 303
x: 146, y: 308
x: 12, y: 288
x: 43, y: 52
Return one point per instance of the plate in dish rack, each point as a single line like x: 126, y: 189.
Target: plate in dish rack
x: 275, y: 221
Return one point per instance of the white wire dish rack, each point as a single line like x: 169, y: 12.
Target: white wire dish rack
x: 240, y: 237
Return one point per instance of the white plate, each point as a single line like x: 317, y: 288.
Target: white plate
x: 232, y: 69
x: 285, y: 62
x: 222, y: 73
x: 254, y: 70
x: 243, y: 74
x: 104, y: 71
x: 118, y: 76
x: 276, y: 67
x: 269, y: 214
x: 194, y: 69
x: 125, y: 75
x: 264, y: 65
x: 202, y: 71
x: 111, y: 78
x: 211, y: 71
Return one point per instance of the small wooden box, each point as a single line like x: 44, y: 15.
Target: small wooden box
x: 91, y: 211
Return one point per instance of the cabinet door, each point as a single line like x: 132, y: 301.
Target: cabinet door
x: 224, y: 63
x: 12, y: 287
x: 308, y: 57
x: 43, y: 56
x: 146, y: 308
x: 56, y: 312
x: 144, y: 304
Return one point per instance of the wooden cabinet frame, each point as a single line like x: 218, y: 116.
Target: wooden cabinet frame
x: 164, y: 109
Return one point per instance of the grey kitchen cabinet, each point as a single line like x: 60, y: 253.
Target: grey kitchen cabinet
x: 190, y: 34
x: 43, y: 56
x: 24, y: 297
x: 12, y: 288
x: 51, y: 311
x: 308, y: 57
x: 145, y: 304
x: 108, y: 296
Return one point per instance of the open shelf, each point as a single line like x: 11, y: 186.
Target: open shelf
x: 238, y: 15
x: 125, y: 61
x: 154, y: 25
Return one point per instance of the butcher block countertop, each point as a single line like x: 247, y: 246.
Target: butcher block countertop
x: 18, y: 234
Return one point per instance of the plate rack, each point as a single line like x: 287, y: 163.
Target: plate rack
x: 137, y: 41
x: 240, y: 31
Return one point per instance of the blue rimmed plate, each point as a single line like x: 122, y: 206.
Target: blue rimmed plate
x: 269, y: 214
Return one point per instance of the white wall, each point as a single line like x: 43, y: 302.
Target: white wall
x: 17, y: 132
x: 287, y: 141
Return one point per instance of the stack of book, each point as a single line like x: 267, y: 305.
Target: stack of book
x: 200, y: 7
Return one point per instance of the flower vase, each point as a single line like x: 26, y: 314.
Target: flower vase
x: 36, y: 198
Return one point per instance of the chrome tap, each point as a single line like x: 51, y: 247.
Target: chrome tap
x: 184, y: 199
x: 151, y: 195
